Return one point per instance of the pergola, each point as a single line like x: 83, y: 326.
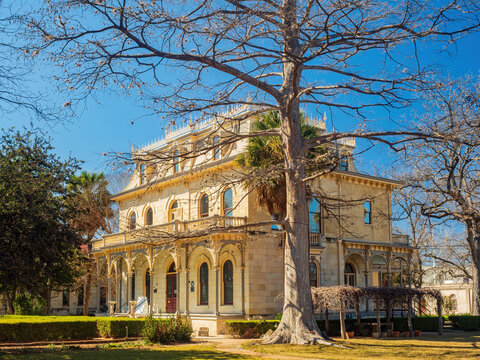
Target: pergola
x: 339, y: 298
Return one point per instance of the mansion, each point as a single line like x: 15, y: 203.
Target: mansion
x: 185, y: 244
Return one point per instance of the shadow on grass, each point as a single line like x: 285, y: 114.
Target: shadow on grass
x: 124, y: 354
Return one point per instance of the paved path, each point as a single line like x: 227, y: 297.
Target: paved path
x: 234, y: 346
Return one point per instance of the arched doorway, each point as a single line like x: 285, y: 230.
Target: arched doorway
x: 171, y: 289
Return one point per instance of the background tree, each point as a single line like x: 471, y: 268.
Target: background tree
x: 39, y: 250
x: 207, y: 54
x: 445, y: 172
x: 91, y: 199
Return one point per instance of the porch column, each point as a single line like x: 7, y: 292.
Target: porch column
x: 98, y: 295
x: 109, y: 289
x: 151, y: 293
x: 118, y: 288
x: 129, y: 286
x: 242, y: 272
x: 187, y: 281
x: 216, y: 290
x: 365, y: 273
x: 177, y: 280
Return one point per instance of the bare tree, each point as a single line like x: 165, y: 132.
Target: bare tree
x: 445, y: 175
x: 196, y: 57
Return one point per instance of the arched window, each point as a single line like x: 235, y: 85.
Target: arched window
x: 142, y: 173
x: 228, y: 202
x: 453, y: 302
x: 204, y: 206
x: 313, y: 274
x: 349, y: 275
x: 171, y: 268
x: 147, y: 285
x: 172, y: 211
x: 176, y: 161
x: 149, y: 217
x: 216, y: 149
x: 228, y: 283
x: 204, y: 284
x: 132, y: 224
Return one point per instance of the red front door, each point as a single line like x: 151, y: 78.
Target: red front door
x: 171, y: 293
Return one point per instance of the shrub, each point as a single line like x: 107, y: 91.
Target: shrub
x: 116, y: 327
x: 26, y: 304
x: 166, y: 331
x: 250, y: 329
x: 465, y: 322
x: 425, y: 323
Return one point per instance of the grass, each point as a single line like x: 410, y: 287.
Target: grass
x: 193, y: 352
x: 464, y: 346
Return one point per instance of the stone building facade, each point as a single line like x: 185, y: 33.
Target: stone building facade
x: 186, y: 246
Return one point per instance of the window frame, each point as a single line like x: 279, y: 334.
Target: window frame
x: 319, y: 213
x: 149, y: 211
x: 349, y: 275
x: 367, y: 212
x: 176, y: 162
x: 202, y: 214
x: 171, y: 210
x: 227, y: 211
x: 202, y: 283
x: 227, y: 282
x: 132, y: 221
x: 217, y: 152
x: 314, y: 263
x: 142, y: 175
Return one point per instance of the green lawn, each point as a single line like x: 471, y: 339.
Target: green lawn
x: 199, y: 352
x: 447, y: 347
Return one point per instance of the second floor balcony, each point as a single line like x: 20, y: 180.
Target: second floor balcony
x: 171, y: 230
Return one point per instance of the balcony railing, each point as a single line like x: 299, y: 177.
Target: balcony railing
x: 150, y: 233
x: 315, y: 239
x: 400, y: 239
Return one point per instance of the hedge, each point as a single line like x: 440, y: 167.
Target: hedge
x: 116, y: 327
x: 43, y: 328
x: 250, y: 329
x: 256, y: 328
x: 465, y: 322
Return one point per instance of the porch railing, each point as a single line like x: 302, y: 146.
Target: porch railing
x: 315, y: 239
x: 170, y: 228
x: 400, y: 239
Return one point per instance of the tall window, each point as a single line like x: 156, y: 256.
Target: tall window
x: 176, y: 161
x: 367, y: 212
x: 227, y: 202
x: 65, y: 298
x: 216, y: 149
x: 147, y: 284
x: 80, y: 297
x: 204, y: 206
x: 314, y: 212
x: 142, y: 173
x: 149, y: 217
x: 103, y: 296
x: 313, y: 274
x: 343, y: 164
x: 172, y: 211
x: 349, y: 275
x: 132, y: 223
x: 228, y: 282
x: 204, y: 284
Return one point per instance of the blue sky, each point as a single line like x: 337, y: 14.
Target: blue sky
x: 112, y: 121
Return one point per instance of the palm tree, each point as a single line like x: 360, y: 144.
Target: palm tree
x: 91, y: 200
x: 263, y: 163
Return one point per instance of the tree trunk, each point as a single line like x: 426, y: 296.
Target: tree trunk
x: 48, y: 300
x: 327, y: 324
x: 476, y: 289
x: 86, y: 293
x: 298, y: 325
x: 9, y: 303
x: 343, y: 331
